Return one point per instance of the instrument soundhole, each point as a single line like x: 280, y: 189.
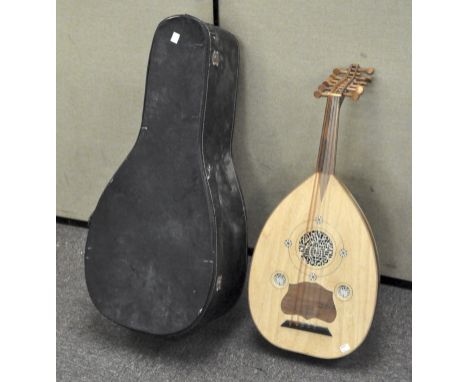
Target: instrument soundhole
x: 316, y: 248
x: 344, y: 292
x: 279, y: 280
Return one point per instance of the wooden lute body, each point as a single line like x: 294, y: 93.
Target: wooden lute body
x: 314, y: 276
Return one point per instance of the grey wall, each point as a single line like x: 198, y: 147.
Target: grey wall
x: 102, y: 54
x: 287, y: 50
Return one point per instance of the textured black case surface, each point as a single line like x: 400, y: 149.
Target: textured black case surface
x: 166, y: 249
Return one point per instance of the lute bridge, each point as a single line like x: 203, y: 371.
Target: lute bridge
x: 306, y: 327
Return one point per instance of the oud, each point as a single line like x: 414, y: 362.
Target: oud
x: 314, y: 276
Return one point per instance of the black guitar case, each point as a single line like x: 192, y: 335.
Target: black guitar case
x: 166, y: 248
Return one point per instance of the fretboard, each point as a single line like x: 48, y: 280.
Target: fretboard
x: 328, y: 141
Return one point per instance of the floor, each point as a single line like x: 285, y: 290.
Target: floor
x: 91, y: 348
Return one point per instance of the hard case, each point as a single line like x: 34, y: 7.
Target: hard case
x: 166, y: 248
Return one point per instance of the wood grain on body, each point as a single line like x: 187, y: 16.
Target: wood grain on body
x: 342, y: 220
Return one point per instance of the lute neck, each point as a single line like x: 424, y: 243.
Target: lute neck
x: 328, y: 141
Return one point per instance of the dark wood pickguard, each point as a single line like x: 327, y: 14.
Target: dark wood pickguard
x: 309, y: 300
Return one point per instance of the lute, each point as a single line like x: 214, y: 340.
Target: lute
x: 314, y: 276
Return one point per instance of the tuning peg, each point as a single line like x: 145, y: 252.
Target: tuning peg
x: 352, y: 95
x: 363, y: 83
x: 356, y: 93
x: 364, y: 78
x: 355, y: 96
x: 357, y: 68
x: 352, y: 87
x: 338, y: 71
x: 323, y: 87
x: 367, y: 70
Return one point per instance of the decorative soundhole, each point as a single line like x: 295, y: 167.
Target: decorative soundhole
x: 316, y: 248
x: 279, y: 279
x: 344, y: 292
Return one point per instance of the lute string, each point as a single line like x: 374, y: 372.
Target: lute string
x: 325, y: 177
x: 322, y: 161
x: 315, y: 187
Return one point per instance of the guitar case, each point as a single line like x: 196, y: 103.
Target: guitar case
x: 166, y: 248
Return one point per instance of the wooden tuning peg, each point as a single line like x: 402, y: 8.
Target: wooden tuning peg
x: 363, y: 78
x: 323, y: 87
x: 369, y: 71
x: 355, y: 96
x: 334, y: 78
x: 338, y: 71
x: 362, y: 83
x: 357, y: 93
